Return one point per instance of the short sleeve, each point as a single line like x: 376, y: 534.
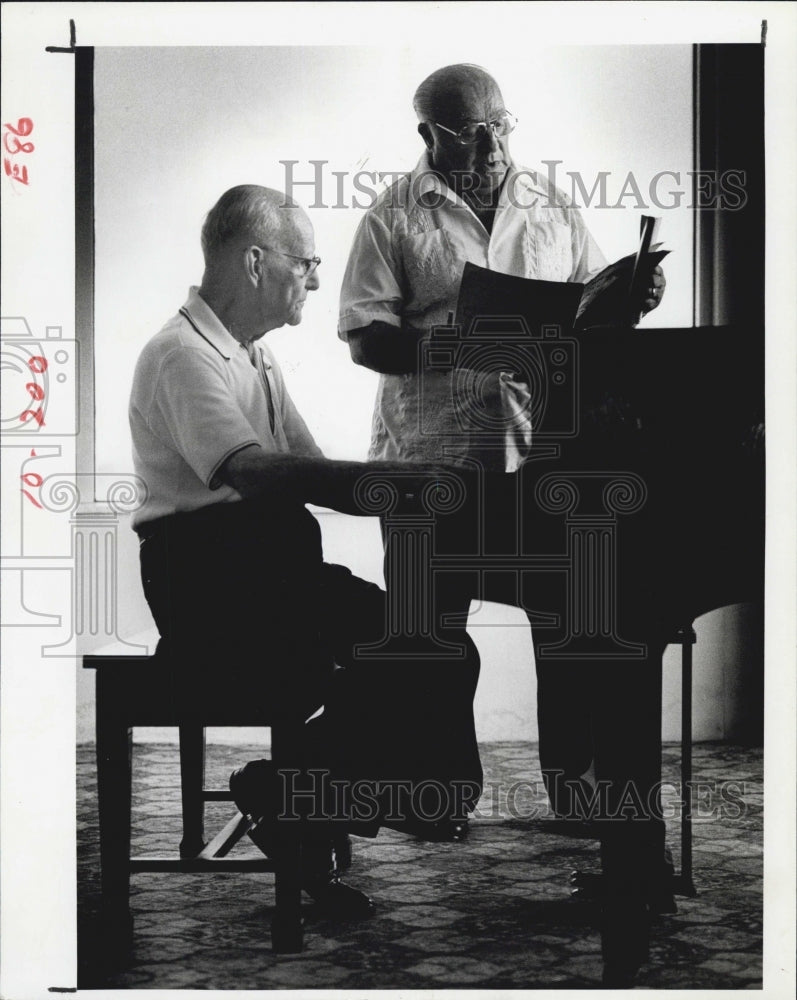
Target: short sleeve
x: 193, y: 405
x: 371, y: 289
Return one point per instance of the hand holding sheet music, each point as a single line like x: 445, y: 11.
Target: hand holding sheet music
x: 620, y: 294
x: 615, y: 297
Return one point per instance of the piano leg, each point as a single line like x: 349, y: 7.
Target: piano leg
x: 589, y: 885
x: 683, y: 884
x: 636, y: 879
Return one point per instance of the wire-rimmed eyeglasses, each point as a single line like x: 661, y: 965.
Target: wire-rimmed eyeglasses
x: 309, y: 263
x: 473, y: 131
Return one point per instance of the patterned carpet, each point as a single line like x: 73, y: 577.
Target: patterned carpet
x: 492, y: 913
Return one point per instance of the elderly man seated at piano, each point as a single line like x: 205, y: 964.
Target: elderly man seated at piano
x: 232, y: 564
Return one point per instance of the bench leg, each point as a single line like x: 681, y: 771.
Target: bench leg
x: 192, y: 782
x: 114, y: 789
x: 286, y: 927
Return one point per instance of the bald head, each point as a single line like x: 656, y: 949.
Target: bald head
x: 448, y: 100
x: 252, y: 214
x: 448, y: 92
x: 259, y: 252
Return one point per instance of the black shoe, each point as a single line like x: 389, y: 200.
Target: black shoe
x: 580, y: 828
x: 455, y: 830
x: 254, y: 787
x: 254, y: 791
x: 444, y: 831
x: 338, y: 900
x: 591, y: 886
x: 341, y: 845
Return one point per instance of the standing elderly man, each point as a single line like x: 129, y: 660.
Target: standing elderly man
x: 467, y: 201
x: 231, y: 559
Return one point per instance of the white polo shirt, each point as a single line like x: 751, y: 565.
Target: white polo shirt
x: 197, y: 399
x: 405, y: 267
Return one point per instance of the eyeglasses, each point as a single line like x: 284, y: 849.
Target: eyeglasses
x: 308, y: 263
x: 472, y: 132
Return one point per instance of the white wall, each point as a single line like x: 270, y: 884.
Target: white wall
x: 177, y: 127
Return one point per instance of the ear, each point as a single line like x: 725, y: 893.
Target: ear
x: 426, y: 134
x: 254, y: 263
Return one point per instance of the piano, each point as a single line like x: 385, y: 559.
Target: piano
x: 648, y: 506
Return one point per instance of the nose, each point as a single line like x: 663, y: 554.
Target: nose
x: 312, y: 282
x: 489, y: 140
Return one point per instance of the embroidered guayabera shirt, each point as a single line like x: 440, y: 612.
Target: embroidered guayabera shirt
x: 405, y: 268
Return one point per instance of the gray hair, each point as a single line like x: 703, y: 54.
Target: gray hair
x: 439, y: 87
x: 247, y: 212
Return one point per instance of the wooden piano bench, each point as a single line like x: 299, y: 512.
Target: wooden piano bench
x: 138, y: 691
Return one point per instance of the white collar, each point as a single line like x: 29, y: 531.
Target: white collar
x: 208, y: 325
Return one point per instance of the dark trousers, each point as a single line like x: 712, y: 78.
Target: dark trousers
x: 242, y: 597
